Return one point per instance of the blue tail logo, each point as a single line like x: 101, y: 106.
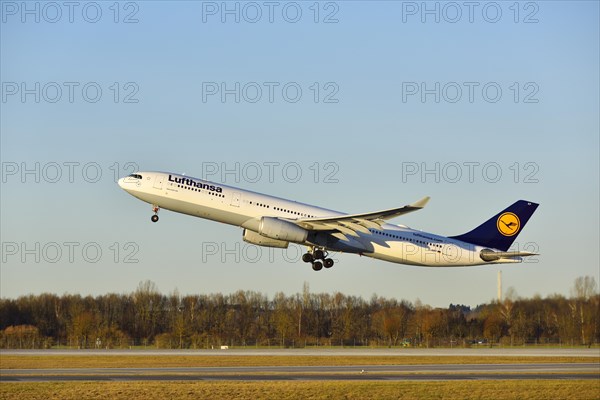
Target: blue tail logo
x: 500, y: 231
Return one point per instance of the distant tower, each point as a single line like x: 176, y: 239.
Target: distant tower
x: 499, y: 286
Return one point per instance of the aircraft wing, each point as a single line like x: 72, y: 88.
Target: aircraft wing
x: 351, y: 224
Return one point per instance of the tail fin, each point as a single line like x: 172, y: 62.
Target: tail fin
x: 500, y: 231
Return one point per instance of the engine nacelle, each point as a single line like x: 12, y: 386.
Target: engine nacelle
x: 281, y: 230
x: 260, y: 240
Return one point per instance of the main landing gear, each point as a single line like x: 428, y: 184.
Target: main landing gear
x: 314, y: 255
x: 154, y: 218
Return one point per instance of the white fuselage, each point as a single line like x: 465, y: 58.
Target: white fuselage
x: 234, y: 206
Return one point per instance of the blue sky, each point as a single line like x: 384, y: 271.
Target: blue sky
x: 516, y: 98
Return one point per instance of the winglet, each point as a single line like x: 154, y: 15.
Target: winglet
x: 421, y: 203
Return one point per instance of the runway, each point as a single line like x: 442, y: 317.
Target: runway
x: 589, y: 369
x: 562, y: 371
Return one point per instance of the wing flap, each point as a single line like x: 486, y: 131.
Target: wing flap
x: 343, y: 229
x: 369, y: 224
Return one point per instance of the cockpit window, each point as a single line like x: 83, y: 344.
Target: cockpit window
x: 136, y: 176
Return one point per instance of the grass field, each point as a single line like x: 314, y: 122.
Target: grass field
x: 497, y: 390
x: 166, y: 361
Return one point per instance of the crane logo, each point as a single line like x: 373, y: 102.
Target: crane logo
x: 508, y: 224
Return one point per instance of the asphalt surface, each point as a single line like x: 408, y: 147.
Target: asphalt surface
x: 588, y: 371
x: 439, y: 372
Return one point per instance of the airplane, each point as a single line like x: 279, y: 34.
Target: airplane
x: 275, y: 222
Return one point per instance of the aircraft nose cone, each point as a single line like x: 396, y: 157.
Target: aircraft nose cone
x: 121, y: 183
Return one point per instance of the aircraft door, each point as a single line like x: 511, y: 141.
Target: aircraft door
x: 158, y: 181
x: 235, y: 199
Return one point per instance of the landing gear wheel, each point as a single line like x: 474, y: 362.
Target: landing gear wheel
x: 319, y: 254
x: 317, y: 266
x: 307, y: 258
x: 328, y: 263
x: 155, y: 209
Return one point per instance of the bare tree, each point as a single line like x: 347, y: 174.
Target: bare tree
x: 584, y: 290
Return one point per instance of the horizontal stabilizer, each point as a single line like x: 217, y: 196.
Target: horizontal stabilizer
x: 491, y: 255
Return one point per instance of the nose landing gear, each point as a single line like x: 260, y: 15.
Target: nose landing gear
x: 318, y: 258
x: 154, y: 218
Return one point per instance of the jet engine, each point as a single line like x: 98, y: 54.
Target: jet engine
x: 260, y: 240
x: 275, y: 228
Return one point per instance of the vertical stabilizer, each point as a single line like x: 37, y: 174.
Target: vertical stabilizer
x: 500, y: 231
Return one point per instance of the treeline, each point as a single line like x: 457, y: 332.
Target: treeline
x: 246, y: 318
